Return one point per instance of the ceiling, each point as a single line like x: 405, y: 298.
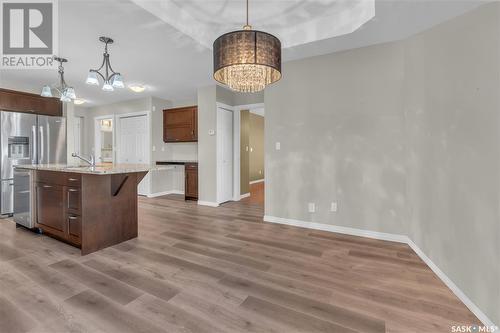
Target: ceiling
x: 151, y: 50
x: 294, y: 22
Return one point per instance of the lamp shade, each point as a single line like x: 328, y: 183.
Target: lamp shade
x: 247, y: 60
x: 92, y: 78
x: 70, y: 92
x: 46, y: 92
x: 118, y: 81
x: 107, y: 86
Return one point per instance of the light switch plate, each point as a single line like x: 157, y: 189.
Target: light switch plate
x: 154, y: 148
x: 278, y: 145
x: 311, y: 207
x: 334, y: 207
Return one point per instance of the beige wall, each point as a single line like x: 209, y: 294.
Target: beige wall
x: 453, y: 160
x: 245, y: 152
x: 405, y: 137
x: 256, y: 141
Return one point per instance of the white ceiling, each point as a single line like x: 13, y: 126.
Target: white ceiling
x: 294, y: 22
x: 172, y: 65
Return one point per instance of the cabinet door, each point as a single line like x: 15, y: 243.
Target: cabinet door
x: 180, y: 125
x: 191, y: 189
x: 50, y: 201
x: 74, y: 228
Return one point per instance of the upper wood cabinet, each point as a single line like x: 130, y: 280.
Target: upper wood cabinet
x: 18, y: 101
x: 180, y: 124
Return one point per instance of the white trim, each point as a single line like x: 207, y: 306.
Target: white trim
x: 243, y: 196
x: 257, y: 181
x: 208, y: 203
x: 393, y: 238
x: 249, y: 107
x: 450, y: 284
x: 160, y: 194
x: 338, y: 229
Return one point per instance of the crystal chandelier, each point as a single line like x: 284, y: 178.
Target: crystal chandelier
x: 110, y: 78
x: 66, y: 93
x: 247, y: 60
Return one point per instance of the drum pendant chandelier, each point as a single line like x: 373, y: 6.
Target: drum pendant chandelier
x: 247, y: 60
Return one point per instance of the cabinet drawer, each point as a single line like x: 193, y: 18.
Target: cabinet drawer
x: 73, y: 179
x: 74, y: 199
x: 75, y: 228
x: 51, y: 177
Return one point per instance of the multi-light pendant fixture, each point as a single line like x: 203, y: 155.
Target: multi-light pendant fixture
x: 247, y: 60
x: 110, y: 78
x: 65, y: 93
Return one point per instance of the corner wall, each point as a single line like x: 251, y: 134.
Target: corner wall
x: 405, y: 137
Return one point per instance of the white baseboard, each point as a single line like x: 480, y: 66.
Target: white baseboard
x: 208, y: 203
x: 257, y: 181
x: 160, y: 194
x: 394, y: 238
x: 450, y: 284
x: 338, y: 229
x: 243, y: 196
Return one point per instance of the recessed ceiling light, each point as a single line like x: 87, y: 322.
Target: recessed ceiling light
x: 137, y: 88
x: 79, y: 101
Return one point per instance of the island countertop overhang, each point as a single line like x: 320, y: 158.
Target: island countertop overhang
x: 100, y: 169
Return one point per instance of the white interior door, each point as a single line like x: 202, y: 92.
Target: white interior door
x: 225, y: 154
x: 134, y: 145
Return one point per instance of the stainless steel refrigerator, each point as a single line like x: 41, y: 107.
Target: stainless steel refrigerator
x: 27, y: 139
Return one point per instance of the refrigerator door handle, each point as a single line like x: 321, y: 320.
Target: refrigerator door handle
x: 33, y: 145
x: 41, y: 145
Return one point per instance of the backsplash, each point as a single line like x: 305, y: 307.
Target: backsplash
x: 176, y: 151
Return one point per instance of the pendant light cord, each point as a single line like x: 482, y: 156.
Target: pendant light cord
x: 247, y: 12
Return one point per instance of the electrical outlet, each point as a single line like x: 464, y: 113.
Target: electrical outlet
x: 260, y: 172
x: 278, y: 145
x: 154, y: 148
x: 211, y: 132
x: 311, y: 207
x: 162, y: 148
x: 334, y: 207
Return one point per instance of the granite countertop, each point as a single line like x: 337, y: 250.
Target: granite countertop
x: 99, y: 169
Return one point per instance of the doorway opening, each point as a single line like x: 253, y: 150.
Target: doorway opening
x: 252, y: 155
x: 240, y: 154
x: 104, y: 143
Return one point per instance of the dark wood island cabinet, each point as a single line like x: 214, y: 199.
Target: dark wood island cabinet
x: 91, y: 209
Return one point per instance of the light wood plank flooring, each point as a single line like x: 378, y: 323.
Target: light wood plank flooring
x: 256, y: 194
x: 202, y: 269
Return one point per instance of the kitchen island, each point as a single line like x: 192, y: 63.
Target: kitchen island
x: 87, y: 207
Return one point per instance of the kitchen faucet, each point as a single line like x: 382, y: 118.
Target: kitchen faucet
x: 90, y: 161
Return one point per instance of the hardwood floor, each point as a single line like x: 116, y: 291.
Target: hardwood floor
x: 256, y: 194
x: 202, y: 269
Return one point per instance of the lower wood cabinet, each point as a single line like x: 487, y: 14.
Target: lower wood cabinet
x: 50, y: 199
x: 58, y: 206
x: 191, y: 186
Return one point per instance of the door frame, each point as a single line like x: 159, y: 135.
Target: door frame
x: 219, y: 156
x: 258, y: 108
x: 97, y: 137
x: 147, y: 145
